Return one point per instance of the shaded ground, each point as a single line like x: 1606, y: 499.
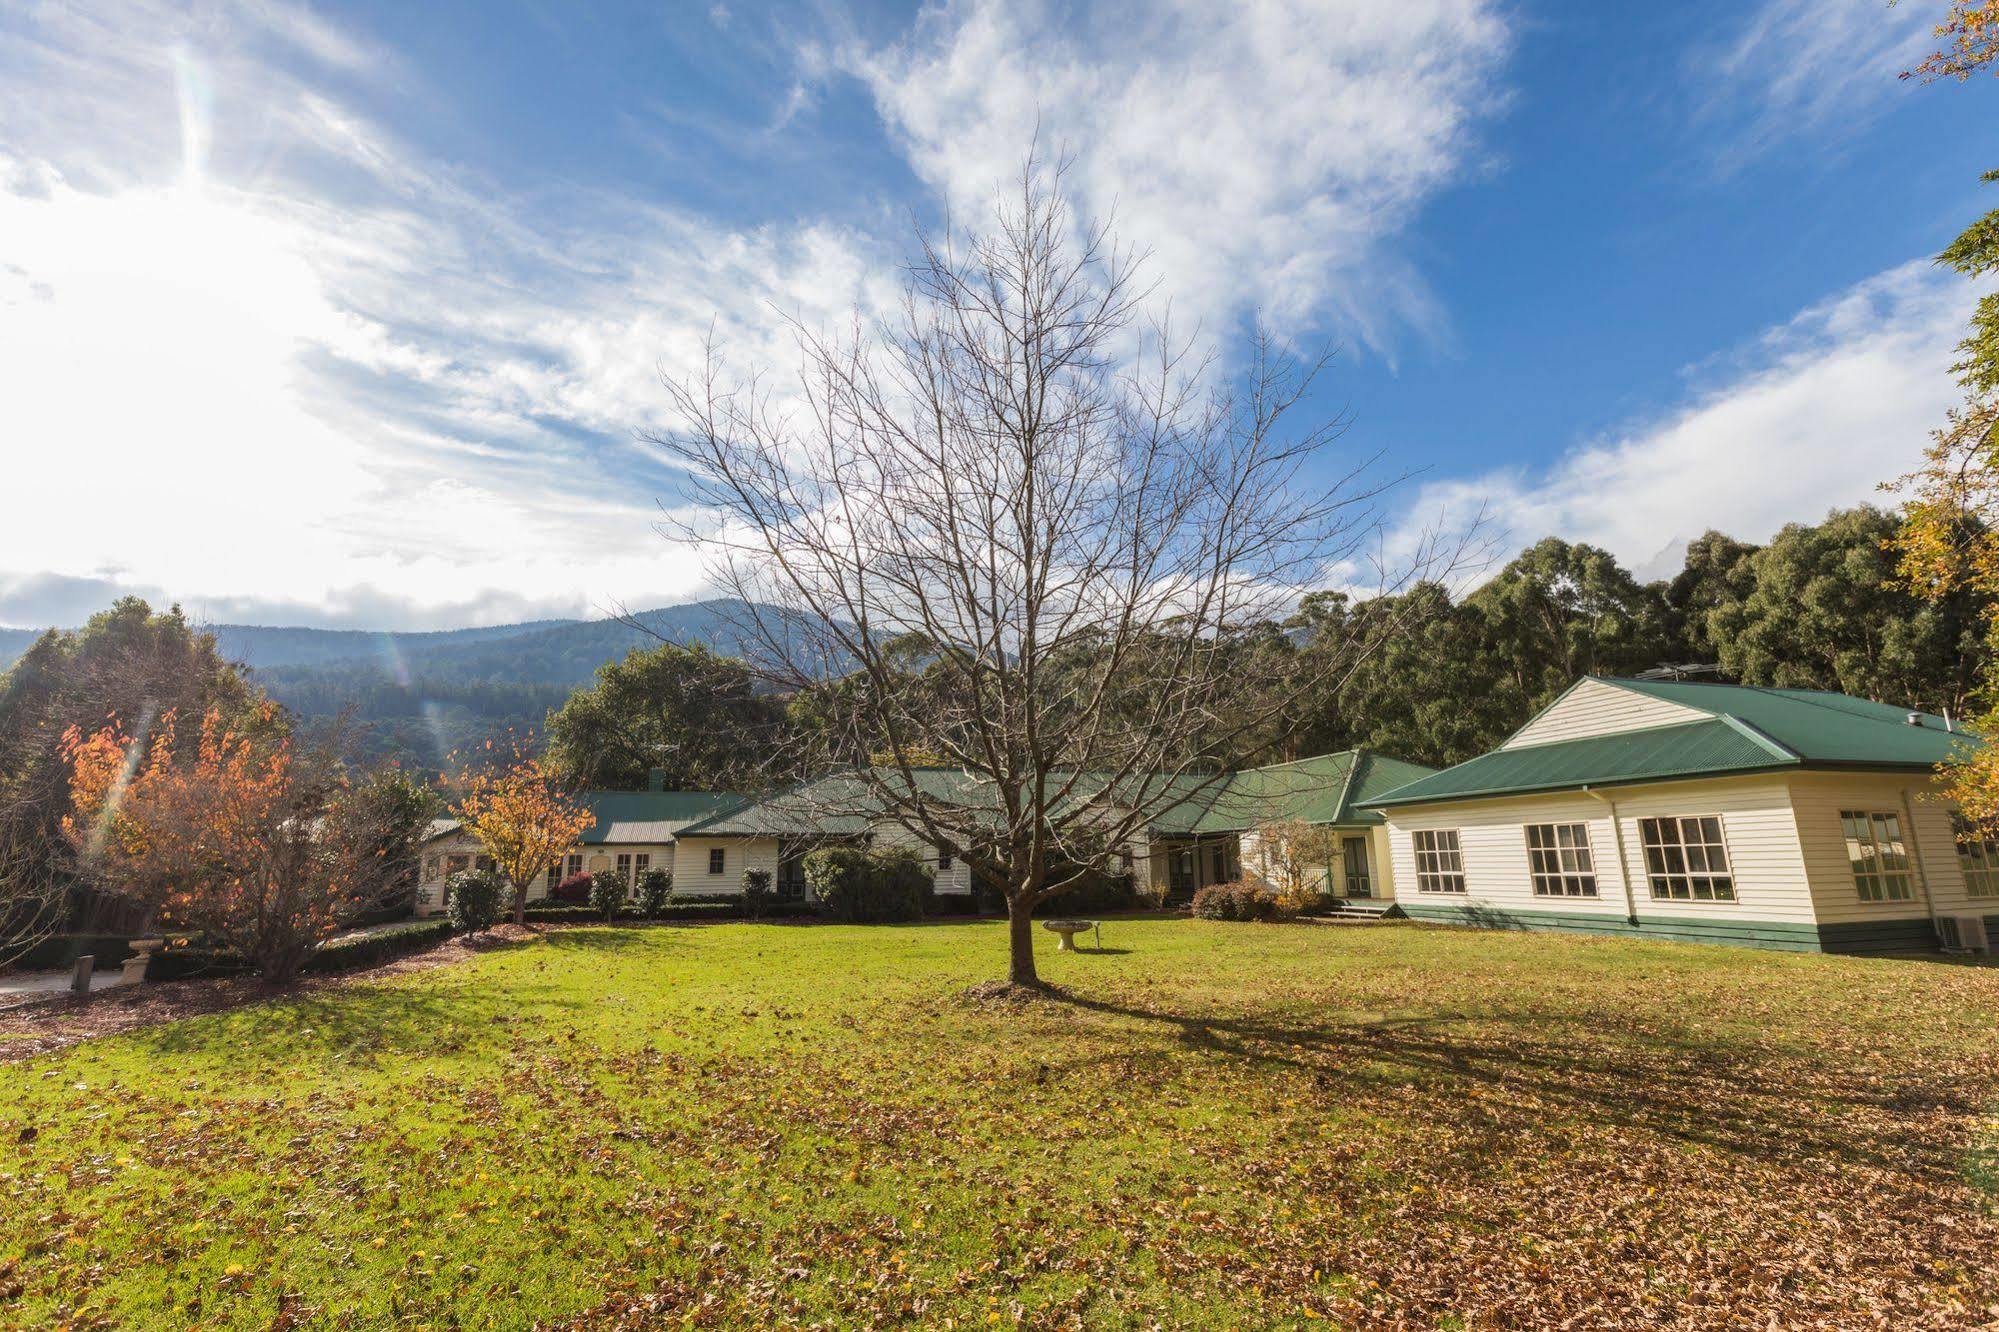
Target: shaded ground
x: 59, y: 1020
x: 1224, y: 1125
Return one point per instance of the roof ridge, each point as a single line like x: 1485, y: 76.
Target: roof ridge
x: 1309, y: 758
x: 1760, y: 737
x: 1346, y: 786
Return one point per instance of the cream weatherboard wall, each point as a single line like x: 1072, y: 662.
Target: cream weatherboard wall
x: 1937, y: 879
x: 1597, y: 707
x: 1794, y: 882
x: 1773, y: 899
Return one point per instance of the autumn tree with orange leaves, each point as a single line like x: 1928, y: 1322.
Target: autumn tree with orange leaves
x: 252, y: 842
x: 1949, y: 540
x: 523, y: 818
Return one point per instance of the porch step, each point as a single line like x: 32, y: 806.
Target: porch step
x: 1362, y: 908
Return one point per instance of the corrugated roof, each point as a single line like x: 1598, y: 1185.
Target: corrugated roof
x: 1749, y: 729
x: 1317, y: 790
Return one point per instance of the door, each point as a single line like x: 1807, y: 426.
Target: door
x: 1353, y: 856
x: 1180, y: 872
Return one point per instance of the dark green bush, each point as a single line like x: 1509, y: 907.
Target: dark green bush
x: 62, y: 950
x: 856, y: 885
x: 607, y: 893
x: 557, y: 912
x: 655, y: 891
x: 472, y: 900
x: 756, y: 892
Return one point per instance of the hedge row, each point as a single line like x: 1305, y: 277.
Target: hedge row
x: 713, y: 909
x: 366, y: 950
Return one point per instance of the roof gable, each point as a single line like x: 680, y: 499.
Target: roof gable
x: 1736, y: 729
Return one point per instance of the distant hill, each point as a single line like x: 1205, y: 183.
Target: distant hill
x: 421, y: 696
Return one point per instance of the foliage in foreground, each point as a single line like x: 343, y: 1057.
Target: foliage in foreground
x: 741, y: 1125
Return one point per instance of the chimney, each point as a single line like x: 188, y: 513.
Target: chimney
x: 656, y: 779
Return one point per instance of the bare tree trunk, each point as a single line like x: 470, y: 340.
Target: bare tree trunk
x: 1020, y: 941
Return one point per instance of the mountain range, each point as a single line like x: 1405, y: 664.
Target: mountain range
x: 421, y: 695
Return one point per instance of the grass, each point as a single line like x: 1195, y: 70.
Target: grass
x: 1231, y: 1125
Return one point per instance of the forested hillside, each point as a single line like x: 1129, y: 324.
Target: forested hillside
x: 420, y: 696
x: 1818, y: 607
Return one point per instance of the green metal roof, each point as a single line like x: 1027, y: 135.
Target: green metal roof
x: 649, y: 816
x: 1325, y: 789
x: 1317, y: 790
x: 1748, y: 729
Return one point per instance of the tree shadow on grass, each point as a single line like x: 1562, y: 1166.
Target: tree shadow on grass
x: 1771, y: 1109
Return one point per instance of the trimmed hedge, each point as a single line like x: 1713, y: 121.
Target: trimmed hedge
x: 368, y: 950
x: 714, y: 909
x: 62, y: 950
x: 385, y: 945
x: 655, y: 891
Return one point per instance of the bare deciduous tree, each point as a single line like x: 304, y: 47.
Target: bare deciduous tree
x: 1026, y: 547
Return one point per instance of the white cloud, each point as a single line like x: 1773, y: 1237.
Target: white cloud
x: 1813, y: 416
x: 1806, y: 65
x: 343, y: 379
x: 1263, y: 151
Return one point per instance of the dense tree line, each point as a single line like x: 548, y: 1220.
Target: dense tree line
x: 1816, y: 608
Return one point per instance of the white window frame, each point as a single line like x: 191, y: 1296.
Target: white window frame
x: 625, y: 868
x: 572, y: 865
x: 1977, y: 856
x: 1559, y: 859
x: 1873, y: 852
x: 1692, y: 865
x: 1440, y: 868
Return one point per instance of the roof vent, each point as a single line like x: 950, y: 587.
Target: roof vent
x: 1915, y: 719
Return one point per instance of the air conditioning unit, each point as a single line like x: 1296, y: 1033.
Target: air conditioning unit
x: 1963, y: 934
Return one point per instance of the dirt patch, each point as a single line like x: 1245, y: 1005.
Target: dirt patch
x: 27, y: 1030
x: 1001, y: 994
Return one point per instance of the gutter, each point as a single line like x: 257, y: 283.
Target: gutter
x: 1623, y: 864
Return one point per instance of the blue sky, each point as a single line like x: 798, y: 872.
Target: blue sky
x: 350, y: 314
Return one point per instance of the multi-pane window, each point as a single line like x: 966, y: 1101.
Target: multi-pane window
x: 1879, y: 856
x: 625, y: 866
x: 429, y: 869
x: 1440, y: 864
x: 640, y: 864
x: 943, y: 862
x: 573, y: 867
x: 717, y: 859
x: 1685, y: 859
x: 554, y: 875
x: 1977, y: 856
x: 1558, y: 858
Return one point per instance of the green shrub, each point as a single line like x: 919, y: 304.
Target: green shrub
x: 655, y: 891
x: 607, y: 893
x: 1235, y: 901
x: 472, y: 900
x: 856, y: 885
x: 756, y: 892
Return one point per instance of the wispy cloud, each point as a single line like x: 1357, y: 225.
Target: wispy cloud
x: 1265, y: 152
x: 1795, y: 67
x: 1811, y: 416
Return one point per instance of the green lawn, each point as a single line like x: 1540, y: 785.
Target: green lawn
x: 1235, y: 1125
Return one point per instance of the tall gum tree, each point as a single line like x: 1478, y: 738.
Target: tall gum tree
x: 1090, y: 527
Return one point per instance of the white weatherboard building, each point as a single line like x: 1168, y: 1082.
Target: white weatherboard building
x: 1783, y: 818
